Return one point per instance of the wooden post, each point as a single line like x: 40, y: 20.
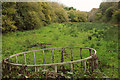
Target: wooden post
x: 81, y: 55
x: 25, y: 58
x: 71, y: 65
x: 71, y: 55
x: 92, y: 64
x: 85, y: 65
x: 16, y: 59
x: 34, y: 59
x: 43, y: 57
x: 52, y: 56
x: 90, y: 52
x: 62, y: 60
x: 95, y: 61
x: 56, y: 68
x: 62, y: 55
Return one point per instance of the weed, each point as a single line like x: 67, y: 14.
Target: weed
x: 101, y: 36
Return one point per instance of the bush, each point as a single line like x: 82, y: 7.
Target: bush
x: 109, y: 13
x: 28, y: 16
x: 116, y: 16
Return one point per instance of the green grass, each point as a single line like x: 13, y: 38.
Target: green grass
x: 100, y: 36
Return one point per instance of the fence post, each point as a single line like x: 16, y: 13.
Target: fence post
x: 90, y: 52
x: 25, y: 58
x: 71, y: 60
x: 81, y: 55
x: 56, y: 68
x: 85, y: 65
x: 92, y: 63
x: 52, y: 56
x: 16, y: 59
x: 71, y: 55
x: 43, y: 57
x: 34, y: 59
x: 62, y: 60
x: 95, y: 61
x: 62, y: 55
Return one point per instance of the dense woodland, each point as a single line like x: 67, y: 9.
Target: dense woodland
x: 33, y: 15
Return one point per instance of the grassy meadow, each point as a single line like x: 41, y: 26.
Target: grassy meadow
x: 100, y: 36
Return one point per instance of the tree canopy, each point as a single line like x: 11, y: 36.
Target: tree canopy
x: 32, y: 15
x: 108, y: 12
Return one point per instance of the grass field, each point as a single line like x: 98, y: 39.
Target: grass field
x: 100, y: 36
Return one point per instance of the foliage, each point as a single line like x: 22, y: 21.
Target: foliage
x: 116, y: 16
x: 92, y: 15
x: 100, y: 36
x: 104, y: 6
x: 61, y: 14
x: 109, y: 13
x: 77, y: 16
x: 99, y: 16
x: 9, y: 12
x: 69, y: 8
x: 26, y: 16
x: 32, y: 15
x: 106, y: 12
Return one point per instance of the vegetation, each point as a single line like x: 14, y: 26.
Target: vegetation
x: 107, y: 12
x: 69, y: 8
x: 100, y: 36
x: 26, y: 25
x: 77, y: 16
x: 32, y: 15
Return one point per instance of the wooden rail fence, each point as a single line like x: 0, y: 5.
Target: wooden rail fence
x: 92, y: 59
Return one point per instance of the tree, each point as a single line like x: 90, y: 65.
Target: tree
x: 81, y: 16
x: 69, y: 8
x: 109, y: 13
x: 8, y: 15
x: 61, y: 14
x: 104, y: 6
x: 72, y: 16
x: 92, y: 14
x: 116, y: 16
x: 77, y: 16
x: 98, y: 16
x: 106, y: 11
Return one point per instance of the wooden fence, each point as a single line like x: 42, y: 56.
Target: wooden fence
x: 92, y: 59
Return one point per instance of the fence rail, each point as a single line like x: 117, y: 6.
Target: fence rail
x: 62, y: 63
